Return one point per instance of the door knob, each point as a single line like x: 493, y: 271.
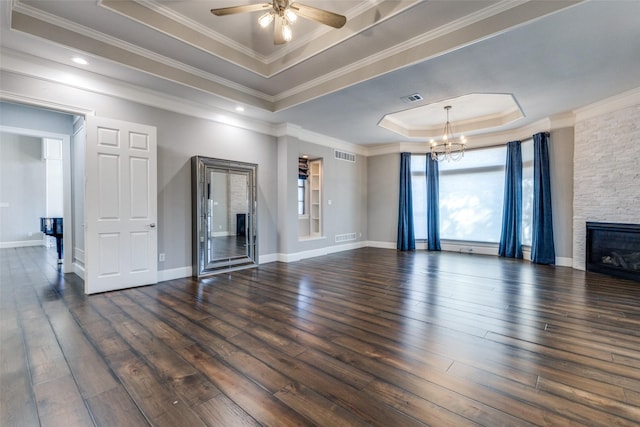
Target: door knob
x: 152, y: 225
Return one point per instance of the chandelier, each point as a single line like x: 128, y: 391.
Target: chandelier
x: 448, y: 148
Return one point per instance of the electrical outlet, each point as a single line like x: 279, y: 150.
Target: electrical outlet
x: 161, y: 257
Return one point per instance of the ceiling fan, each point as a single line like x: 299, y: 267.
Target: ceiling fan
x: 283, y: 13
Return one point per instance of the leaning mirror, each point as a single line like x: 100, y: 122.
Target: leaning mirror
x: 224, y: 215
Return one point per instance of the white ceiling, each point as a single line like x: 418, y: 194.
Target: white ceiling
x: 550, y: 56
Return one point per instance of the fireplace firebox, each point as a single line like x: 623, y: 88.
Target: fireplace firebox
x: 614, y: 249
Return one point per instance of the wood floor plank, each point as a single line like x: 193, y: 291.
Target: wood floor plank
x: 90, y: 371
x: 257, y: 402
x: 17, y: 404
x: 223, y: 412
x: 152, y: 395
x: 317, y: 408
x: 314, y: 376
x: 571, y: 409
x: 115, y: 408
x: 364, y: 337
x: 60, y: 404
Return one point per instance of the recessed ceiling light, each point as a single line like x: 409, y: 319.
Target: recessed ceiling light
x: 239, y: 109
x: 79, y: 60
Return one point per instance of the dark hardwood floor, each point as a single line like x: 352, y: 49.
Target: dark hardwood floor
x: 366, y: 337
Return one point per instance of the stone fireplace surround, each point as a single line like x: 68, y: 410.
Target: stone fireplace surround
x: 606, y: 185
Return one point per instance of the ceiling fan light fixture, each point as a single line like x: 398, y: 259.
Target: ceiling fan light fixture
x: 266, y: 19
x: 287, y: 35
x: 284, y: 13
x: 291, y: 16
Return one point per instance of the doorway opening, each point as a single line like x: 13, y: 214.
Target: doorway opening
x: 53, y: 133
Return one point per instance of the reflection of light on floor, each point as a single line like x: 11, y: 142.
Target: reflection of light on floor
x: 302, y: 300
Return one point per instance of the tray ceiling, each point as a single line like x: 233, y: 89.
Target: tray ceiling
x: 351, y: 76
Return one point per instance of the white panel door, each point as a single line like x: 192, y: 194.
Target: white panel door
x: 120, y: 205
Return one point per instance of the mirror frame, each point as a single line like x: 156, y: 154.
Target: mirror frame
x: 200, y: 166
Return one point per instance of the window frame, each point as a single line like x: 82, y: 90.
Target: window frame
x: 420, y: 174
x: 305, y: 198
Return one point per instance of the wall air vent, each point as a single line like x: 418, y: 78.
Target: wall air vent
x: 343, y: 155
x: 412, y: 98
x: 345, y: 237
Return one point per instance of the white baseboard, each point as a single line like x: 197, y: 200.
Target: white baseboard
x: 564, y: 262
x: 381, y: 245
x: 78, y: 269
x: 163, y: 275
x: 265, y: 259
x: 174, y: 273
x: 78, y: 255
x: 21, y: 244
x: 181, y: 272
x: 319, y: 252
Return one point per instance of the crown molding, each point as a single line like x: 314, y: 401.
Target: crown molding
x: 145, y: 59
x: 40, y: 69
x: 47, y: 71
x: 478, y: 141
x: 289, y: 129
x: 42, y: 103
x: 228, y: 49
x: 618, y: 102
x: 285, y: 50
x: 464, y: 31
x: 417, y: 41
x: 447, y: 38
x: 189, y: 23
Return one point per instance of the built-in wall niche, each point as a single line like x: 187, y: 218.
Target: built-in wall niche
x: 309, y: 198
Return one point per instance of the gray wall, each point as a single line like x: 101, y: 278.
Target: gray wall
x: 179, y: 138
x: 561, y: 176
x: 343, y: 183
x: 22, y: 188
x: 383, y: 191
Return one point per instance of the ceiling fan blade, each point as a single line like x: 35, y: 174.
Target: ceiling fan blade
x: 241, y: 9
x: 278, y: 37
x: 322, y: 16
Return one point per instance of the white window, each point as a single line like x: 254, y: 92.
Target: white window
x: 471, y: 195
x: 527, y: 191
x: 302, y: 197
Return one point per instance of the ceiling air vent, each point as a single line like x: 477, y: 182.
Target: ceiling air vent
x: 412, y: 98
x: 343, y: 155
